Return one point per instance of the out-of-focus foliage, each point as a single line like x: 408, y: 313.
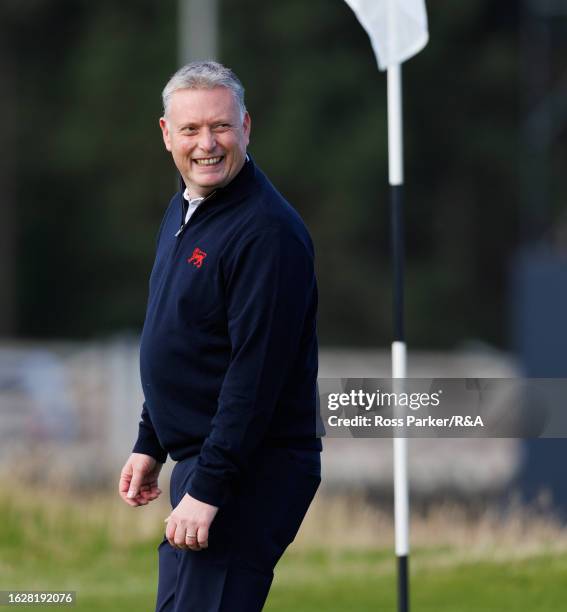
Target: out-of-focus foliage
x: 92, y: 173
x: 93, y: 178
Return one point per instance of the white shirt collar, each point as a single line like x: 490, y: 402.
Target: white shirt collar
x: 193, y: 204
x: 190, y: 199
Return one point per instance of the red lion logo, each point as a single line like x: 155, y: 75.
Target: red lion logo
x: 197, y: 258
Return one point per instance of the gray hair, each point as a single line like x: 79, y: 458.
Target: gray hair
x: 204, y: 75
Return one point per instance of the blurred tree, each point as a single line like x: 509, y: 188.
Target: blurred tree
x: 8, y: 134
x: 92, y: 172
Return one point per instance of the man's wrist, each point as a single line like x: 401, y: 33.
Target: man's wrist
x: 145, y: 447
x: 208, y: 489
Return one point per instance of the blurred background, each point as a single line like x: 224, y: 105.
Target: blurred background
x: 84, y: 181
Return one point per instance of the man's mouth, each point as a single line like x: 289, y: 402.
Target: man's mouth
x: 209, y: 161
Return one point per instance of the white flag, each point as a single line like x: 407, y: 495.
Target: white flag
x: 397, y: 28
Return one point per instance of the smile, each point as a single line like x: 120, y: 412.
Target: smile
x: 208, y: 161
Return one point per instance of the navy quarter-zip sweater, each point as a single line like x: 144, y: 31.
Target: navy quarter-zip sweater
x: 228, y: 356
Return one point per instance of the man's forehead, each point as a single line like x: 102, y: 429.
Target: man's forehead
x: 202, y: 103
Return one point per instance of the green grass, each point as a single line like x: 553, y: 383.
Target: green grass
x: 366, y: 582
x: 108, y: 555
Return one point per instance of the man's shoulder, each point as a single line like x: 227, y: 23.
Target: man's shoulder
x: 269, y: 209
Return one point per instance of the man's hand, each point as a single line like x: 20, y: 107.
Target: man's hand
x: 138, y: 484
x: 188, y: 524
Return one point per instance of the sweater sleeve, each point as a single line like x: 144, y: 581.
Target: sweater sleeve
x: 269, y: 287
x: 147, y: 442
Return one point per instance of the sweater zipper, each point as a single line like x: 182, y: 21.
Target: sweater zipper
x: 183, y: 225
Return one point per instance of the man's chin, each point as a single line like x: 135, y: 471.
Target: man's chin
x: 209, y: 185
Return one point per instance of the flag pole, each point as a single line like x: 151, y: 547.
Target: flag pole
x: 399, y: 360
x: 397, y: 30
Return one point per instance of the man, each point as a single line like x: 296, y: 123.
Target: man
x: 228, y: 360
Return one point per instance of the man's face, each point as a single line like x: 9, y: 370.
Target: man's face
x: 206, y: 136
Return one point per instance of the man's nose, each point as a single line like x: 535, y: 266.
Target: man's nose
x: 207, y: 140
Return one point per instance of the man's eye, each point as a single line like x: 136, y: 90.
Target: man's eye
x: 222, y: 126
x: 190, y: 130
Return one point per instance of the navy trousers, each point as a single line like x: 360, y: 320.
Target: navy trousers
x: 246, y: 539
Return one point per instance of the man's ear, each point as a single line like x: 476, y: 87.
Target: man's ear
x: 165, y: 132
x: 246, y: 126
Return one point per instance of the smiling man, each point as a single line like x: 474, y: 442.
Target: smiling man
x: 207, y: 133
x: 228, y: 360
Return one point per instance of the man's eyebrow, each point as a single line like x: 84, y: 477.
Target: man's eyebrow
x: 196, y: 124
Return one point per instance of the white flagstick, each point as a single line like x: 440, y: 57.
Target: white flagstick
x: 395, y: 128
x: 396, y: 179
x: 397, y: 31
x: 401, y: 490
